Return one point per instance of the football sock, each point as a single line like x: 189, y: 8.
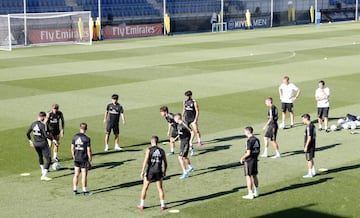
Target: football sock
x: 313, y: 171
x: 265, y: 150
x: 199, y: 140
x: 256, y: 189
x: 184, y: 171
x: 171, y: 150
x: 142, y: 202
x: 74, y: 188
x: 84, y: 189
x: 250, y: 192
x: 162, y: 203
x: 42, y: 169
x: 117, y: 145
x: 55, y: 155
x: 45, y: 171
x: 189, y: 166
x: 277, y: 152
x: 310, y: 172
x: 326, y: 127
x: 320, y: 126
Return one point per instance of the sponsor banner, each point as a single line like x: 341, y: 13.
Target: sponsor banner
x: 123, y: 31
x: 57, y: 35
x: 257, y: 22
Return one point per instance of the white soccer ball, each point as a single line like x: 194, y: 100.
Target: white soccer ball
x: 56, y: 166
x: 352, y: 125
x: 341, y: 121
x: 282, y: 126
x: 333, y: 127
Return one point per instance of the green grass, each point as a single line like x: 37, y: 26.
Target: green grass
x: 230, y: 75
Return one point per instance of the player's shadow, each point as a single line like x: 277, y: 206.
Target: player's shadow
x: 202, y: 198
x: 110, y: 165
x: 116, y: 187
x: 297, y: 186
x: 225, y: 139
x: 343, y: 168
x: 213, y: 149
x: 113, y: 152
x: 143, y: 144
x: 318, y: 149
x: 212, y: 169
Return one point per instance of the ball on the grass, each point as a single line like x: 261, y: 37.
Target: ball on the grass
x: 56, y: 166
x: 352, y: 125
x: 333, y: 127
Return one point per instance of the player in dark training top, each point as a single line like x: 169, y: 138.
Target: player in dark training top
x: 191, y: 115
x: 172, y: 131
x: 184, y: 133
x: 309, y: 145
x: 114, y: 111
x: 53, y: 121
x: 81, y: 153
x: 250, y: 160
x: 42, y: 143
x: 155, y: 164
x: 271, y: 128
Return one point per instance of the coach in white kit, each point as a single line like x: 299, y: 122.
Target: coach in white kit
x: 322, y: 96
x: 287, y: 97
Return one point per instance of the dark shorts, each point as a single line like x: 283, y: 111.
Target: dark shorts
x: 114, y: 126
x: 251, y: 167
x: 154, y: 176
x: 189, y: 120
x: 184, y: 147
x: 271, y: 132
x: 54, y: 132
x: 323, y: 112
x: 310, y: 154
x: 287, y: 107
x: 174, y: 133
x: 82, y: 164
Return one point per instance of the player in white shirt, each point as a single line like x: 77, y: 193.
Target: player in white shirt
x: 288, y: 92
x: 322, y: 96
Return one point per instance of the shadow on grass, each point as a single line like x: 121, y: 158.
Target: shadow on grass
x: 203, y: 198
x: 108, y: 165
x: 213, y: 149
x: 299, y: 212
x: 125, y: 185
x: 344, y: 168
x: 212, y: 169
x: 225, y: 139
x: 318, y: 149
x: 297, y: 186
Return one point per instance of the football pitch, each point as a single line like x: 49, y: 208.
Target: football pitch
x: 230, y: 75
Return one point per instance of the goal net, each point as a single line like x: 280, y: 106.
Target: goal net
x: 18, y: 30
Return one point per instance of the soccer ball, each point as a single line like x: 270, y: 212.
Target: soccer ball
x: 333, y: 127
x: 56, y: 166
x: 282, y: 126
x: 352, y: 125
x: 341, y: 121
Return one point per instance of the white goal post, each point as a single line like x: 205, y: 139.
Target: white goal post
x: 31, y: 29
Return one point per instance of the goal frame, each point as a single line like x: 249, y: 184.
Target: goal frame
x: 29, y: 16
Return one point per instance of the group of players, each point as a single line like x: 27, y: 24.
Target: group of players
x: 181, y: 126
x: 288, y: 94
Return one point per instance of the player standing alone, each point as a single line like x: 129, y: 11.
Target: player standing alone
x: 154, y: 159
x: 309, y: 145
x: 184, y: 133
x: 172, y: 131
x: 114, y: 111
x: 191, y: 116
x: 81, y: 153
x: 41, y: 144
x: 322, y: 96
x: 271, y: 128
x: 250, y: 160
x: 286, y: 92
x: 53, y: 122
